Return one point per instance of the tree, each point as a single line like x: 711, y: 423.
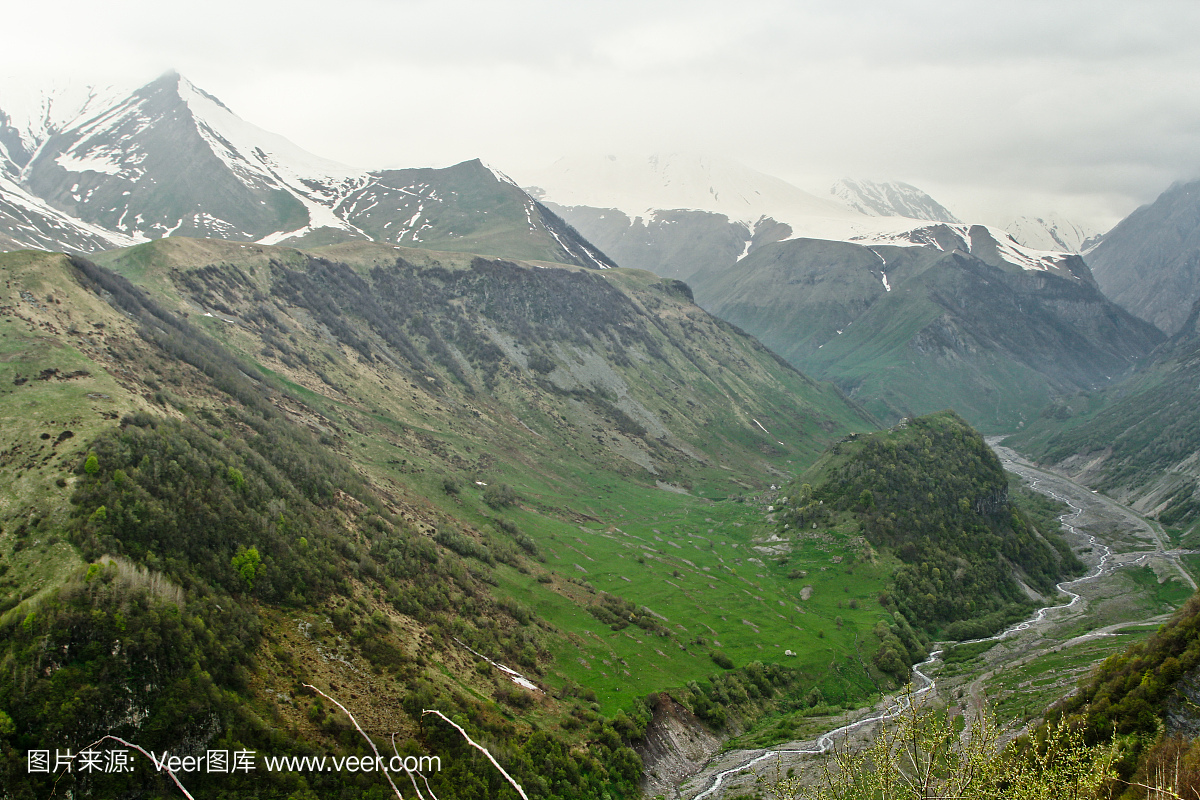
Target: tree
x: 246, y: 563
x: 921, y: 755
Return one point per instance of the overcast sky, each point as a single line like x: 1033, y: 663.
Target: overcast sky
x: 996, y: 109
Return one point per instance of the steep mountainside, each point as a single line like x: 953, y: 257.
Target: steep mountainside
x: 1140, y: 442
x: 385, y: 473
x: 171, y: 159
x: 909, y: 330
x: 1146, y: 698
x: 1150, y: 262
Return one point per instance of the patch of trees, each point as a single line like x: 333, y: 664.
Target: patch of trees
x: 1128, y: 694
x: 618, y: 613
x: 934, y: 494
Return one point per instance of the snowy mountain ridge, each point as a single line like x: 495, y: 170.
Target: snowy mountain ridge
x: 603, y: 195
x: 110, y: 169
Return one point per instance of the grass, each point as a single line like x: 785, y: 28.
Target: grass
x: 54, y: 398
x: 1021, y: 692
x: 693, y: 563
x: 1167, y: 595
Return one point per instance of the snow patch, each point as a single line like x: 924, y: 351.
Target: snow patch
x: 95, y: 161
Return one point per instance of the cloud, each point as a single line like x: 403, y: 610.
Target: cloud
x: 1091, y: 104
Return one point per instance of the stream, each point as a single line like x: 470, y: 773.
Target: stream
x: 922, y: 683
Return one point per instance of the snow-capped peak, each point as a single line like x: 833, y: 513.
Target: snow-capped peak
x: 891, y: 199
x: 244, y: 146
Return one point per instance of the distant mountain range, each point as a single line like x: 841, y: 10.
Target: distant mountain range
x: 908, y: 310
x: 686, y: 215
x: 90, y: 170
x: 96, y: 170
x: 947, y: 316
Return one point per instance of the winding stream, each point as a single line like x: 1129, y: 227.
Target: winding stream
x: 825, y: 742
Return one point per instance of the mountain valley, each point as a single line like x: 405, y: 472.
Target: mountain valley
x: 607, y: 487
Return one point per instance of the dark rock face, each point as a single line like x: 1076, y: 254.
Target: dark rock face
x: 1181, y: 708
x: 676, y: 746
x: 1150, y: 262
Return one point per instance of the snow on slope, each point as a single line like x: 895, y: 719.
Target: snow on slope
x: 261, y: 158
x: 990, y: 245
x: 34, y: 113
x: 32, y: 223
x: 1052, y: 232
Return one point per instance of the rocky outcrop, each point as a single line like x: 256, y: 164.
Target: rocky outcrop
x: 676, y: 746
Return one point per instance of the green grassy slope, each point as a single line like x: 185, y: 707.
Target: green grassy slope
x: 388, y: 431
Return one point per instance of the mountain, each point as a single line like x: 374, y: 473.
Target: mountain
x: 673, y: 244
x: 931, y: 493
x: 678, y: 214
x: 1140, y: 441
x: 966, y: 319
x: 401, y: 477
x: 681, y: 215
x: 636, y: 185
x: 893, y: 199
x: 1150, y: 262
x: 1052, y: 232
x: 171, y: 159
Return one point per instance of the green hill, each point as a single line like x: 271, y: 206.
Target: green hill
x: 365, y: 469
